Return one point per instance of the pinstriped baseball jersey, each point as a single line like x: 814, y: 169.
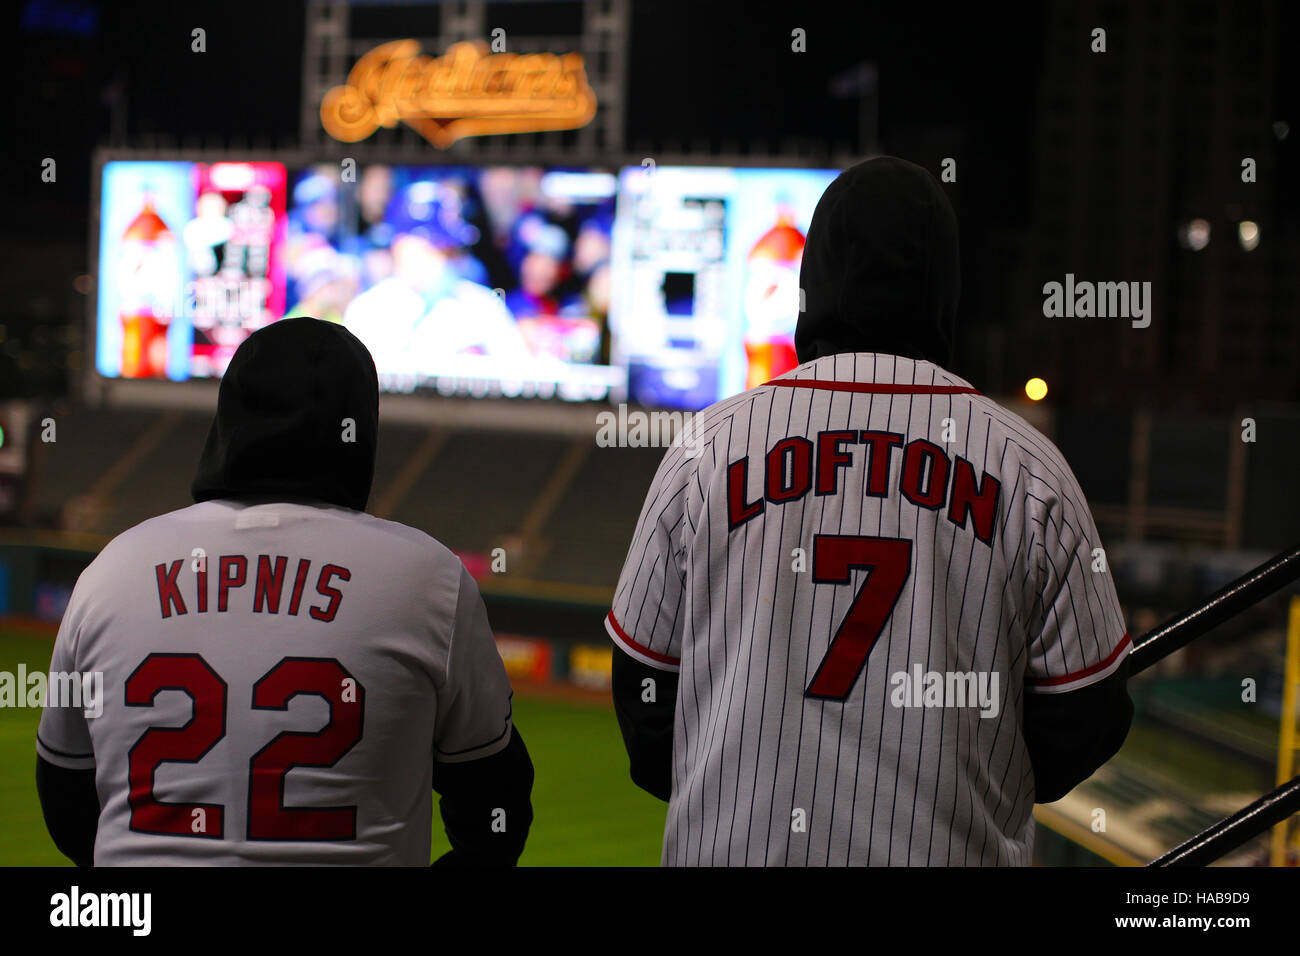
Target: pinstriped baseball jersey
x: 859, y: 570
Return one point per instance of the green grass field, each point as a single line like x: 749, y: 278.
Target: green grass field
x: 586, y: 810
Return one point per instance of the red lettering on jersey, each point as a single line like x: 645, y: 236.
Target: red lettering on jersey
x: 830, y: 460
x: 738, y: 511
x: 791, y: 468
x: 915, y: 474
x: 299, y: 581
x: 169, y: 594
x: 323, y: 588
x: 799, y: 452
x: 232, y: 573
x: 201, y: 585
x: 879, y: 445
x: 268, y: 817
x: 192, y: 675
x: 266, y: 592
x: 982, y: 505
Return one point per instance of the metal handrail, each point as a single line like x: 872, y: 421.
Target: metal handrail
x: 1177, y: 632
x: 1251, y: 588
x: 1231, y: 832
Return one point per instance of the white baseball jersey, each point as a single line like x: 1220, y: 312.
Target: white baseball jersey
x: 858, y: 573
x: 279, y: 695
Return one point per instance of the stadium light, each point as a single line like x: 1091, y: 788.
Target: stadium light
x: 1036, y: 389
x: 1195, y: 235
x: 1248, y: 235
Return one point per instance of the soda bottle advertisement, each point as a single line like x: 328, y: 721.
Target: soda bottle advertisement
x: 142, y: 328
x: 772, y: 298
x: 769, y: 227
x: 191, y: 261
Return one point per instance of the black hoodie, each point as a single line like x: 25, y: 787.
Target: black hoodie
x: 881, y: 271
x: 281, y: 427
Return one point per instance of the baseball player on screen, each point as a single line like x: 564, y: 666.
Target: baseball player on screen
x: 287, y: 678
x: 862, y: 619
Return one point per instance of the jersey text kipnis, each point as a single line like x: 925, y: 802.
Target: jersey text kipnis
x: 269, y: 581
x: 929, y: 477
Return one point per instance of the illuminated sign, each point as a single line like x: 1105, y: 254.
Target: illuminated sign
x: 591, y: 666
x: 467, y: 92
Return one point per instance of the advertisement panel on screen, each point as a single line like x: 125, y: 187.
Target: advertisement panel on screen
x: 706, y: 266
x: 670, y: 287
x: 191, y: 260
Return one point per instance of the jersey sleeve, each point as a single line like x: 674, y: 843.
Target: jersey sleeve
x: 1077, y: 632
x: 63, y: 736
x: 646, y: 617
x: 474, y: 709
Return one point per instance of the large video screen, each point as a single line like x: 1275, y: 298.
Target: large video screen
x: 671, y: 287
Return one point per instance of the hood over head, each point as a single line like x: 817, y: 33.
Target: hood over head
x: 880, y: 270
x: 279, y: 429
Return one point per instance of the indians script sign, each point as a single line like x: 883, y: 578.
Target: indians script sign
x: 467, y: 92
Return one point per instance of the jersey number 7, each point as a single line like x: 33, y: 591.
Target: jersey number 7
x: 888, y: 562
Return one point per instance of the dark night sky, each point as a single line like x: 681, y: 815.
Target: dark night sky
x: 720, y: 70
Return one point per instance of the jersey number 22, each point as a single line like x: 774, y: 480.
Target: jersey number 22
x: 268, y: 817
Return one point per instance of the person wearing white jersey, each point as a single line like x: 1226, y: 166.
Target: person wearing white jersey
x: 862, y: 619
x: 286, y: 678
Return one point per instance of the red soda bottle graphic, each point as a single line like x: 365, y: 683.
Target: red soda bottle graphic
x: 147, y: 279
x: 772, y: 299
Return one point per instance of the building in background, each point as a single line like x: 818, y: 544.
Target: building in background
x: 1137, y: 177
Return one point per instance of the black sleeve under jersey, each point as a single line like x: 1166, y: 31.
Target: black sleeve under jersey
x: 646, y: 720
x: 486, y: 806
x: 70, y: 805
x: 1070, y: 735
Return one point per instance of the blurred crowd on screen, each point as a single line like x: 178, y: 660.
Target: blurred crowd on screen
x: 426, y: 264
